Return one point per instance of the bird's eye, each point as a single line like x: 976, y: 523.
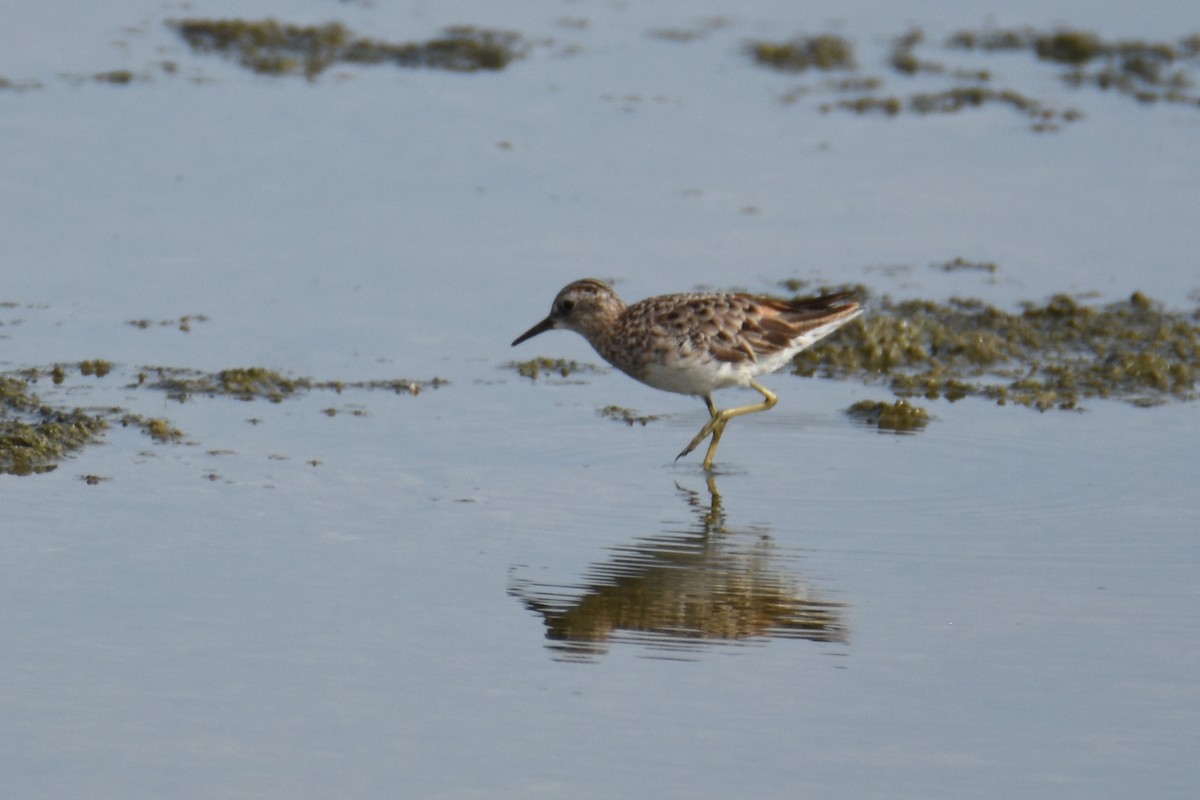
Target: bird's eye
x: 566, y: 306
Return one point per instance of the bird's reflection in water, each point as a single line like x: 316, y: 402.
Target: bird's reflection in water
x: 682, y: 591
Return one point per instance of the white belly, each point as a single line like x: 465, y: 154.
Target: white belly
x: 696, y: 378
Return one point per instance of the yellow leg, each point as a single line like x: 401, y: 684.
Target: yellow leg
x: 718, y: 419
x: 714, y: 415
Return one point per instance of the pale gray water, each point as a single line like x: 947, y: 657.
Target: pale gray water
x: 1007, y: 602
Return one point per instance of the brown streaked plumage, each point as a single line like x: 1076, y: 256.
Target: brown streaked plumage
x: 699, y: 342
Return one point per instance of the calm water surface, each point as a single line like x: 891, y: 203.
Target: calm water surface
x: 488, y: 589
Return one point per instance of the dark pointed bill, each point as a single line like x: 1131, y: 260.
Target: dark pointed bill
x: 541, y: 327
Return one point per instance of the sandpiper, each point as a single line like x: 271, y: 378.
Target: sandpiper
x: 699, y: 342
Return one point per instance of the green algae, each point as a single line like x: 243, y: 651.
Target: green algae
x: 1064, y: 45
x: 157, y: 428
x: 98, y: 367
x: 250, y: 383
x: 957, y: 99
x: 824, y: 52
x: 1146, y: 71
x: 34, y: 436
x: 184, y: 323
x: 1068, y: 47
x: 119, y: 77
x: 627, y: 415
x: 899, y: 416
x: 268, y: 47
x: 243, y: 383
x: 1051, y: 355
x: 260, y: 383
x: 534, y: 368
x: 905, y: 61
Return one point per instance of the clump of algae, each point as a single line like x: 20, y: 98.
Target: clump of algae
x: 899, y: 416
x: 627, y: 415
x: 269, y: 47
x: 157, y: 428
x: 246, y: 383
x: 1146, y: 70
x: 1051, y: 355
x: 97, y: 366
x: 952, y: 100
x: 34, y: 436
x: 534, y: 368
x: 824, y: 52
x: 260, y: 383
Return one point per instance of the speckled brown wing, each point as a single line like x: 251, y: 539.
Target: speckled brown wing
x: 691, y: 322
x: 704, y: 323
x: 733, y: 328
x: 769, y: 326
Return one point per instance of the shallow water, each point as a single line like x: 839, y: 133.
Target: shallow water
x: 487, y: 589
